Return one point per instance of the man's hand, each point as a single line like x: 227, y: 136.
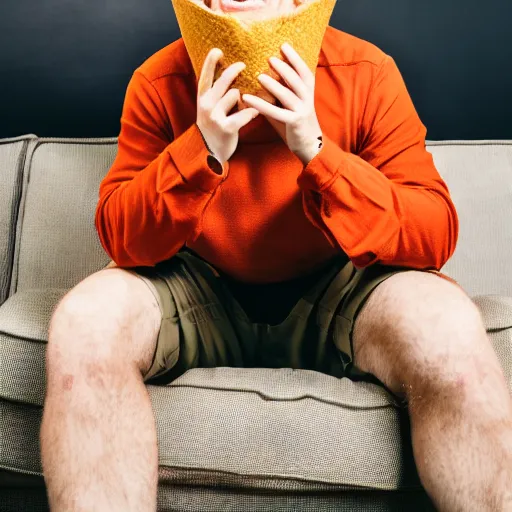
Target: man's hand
x: 214, y: 102
x: 297, y: 123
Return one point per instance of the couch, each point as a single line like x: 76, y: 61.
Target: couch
x: 230, y: 439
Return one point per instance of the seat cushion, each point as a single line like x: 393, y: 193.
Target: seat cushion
x: 243, y: 428
x: 24, y: 320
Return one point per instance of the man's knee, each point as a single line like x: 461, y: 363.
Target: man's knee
x: 109, y: 319
x: 419, y: 331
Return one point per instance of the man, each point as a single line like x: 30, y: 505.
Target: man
x: 309, y: 236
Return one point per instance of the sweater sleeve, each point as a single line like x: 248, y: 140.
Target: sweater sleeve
x: 153, y: 197
x: 388, y: 204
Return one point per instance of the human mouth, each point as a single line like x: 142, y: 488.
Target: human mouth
x: 244, y: 5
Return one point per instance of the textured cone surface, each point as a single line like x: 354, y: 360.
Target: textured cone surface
x: 252, y: 43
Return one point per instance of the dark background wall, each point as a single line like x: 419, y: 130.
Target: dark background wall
x: 65, y: 64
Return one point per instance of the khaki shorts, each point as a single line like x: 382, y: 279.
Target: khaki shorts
x: 203, y: 326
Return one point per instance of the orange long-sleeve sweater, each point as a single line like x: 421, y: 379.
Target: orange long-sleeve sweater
x: 372, y: 192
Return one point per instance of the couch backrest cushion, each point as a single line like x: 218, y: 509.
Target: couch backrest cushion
x: 12, y: 156
x: 57, y: 243
x: 479, y: 176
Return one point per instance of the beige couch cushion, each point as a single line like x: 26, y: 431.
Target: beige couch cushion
x: 12, y: 157
x: 58, y: 245
x: 57, y: 242
x: 479, y: 176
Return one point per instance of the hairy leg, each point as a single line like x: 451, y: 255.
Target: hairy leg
x: 424, y: 339
x: 98, y: 437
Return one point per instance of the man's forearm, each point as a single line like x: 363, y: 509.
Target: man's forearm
x: 410, y: 221
x: 145, y: 216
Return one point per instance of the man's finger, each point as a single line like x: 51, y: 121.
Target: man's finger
x: 265, y: 108
x: 242, y: 117
x: 205, y: 82
x: 291, y: 77
x: 296, y: 61
x: 282, y: 93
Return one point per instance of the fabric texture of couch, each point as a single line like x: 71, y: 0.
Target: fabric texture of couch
x: 230, y: 439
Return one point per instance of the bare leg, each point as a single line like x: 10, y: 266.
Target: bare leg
x: 424, y: 339
x: 462, y: 440
x: 98, y: 436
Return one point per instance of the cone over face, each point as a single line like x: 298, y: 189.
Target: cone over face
x: 252, y: 42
